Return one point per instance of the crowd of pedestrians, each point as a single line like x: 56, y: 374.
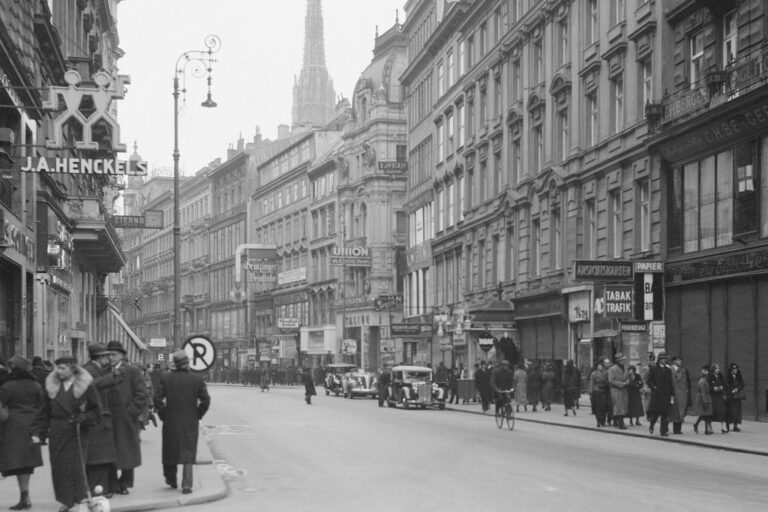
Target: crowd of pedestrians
x: 90, y: 416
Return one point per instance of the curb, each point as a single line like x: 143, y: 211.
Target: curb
x: 629, y: 434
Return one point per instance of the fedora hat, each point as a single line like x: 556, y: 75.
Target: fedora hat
x: 619, y: 357
x: 180, y: 357
x: 97, y: 349
x: 115, y: 346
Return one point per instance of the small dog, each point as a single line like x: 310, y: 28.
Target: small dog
x: 96, y: 503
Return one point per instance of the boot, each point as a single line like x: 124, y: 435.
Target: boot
x: 696, y: 427
x: 622, y: 426
x: 534, y: 410
x: 707, y: 427
x: 525, y: 408
x: 24, y: 502
x: 736, y: 427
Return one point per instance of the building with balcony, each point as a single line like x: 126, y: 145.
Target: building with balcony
x: 527, y: 152
x: 711, y: 136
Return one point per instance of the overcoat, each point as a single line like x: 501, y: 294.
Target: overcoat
x: 534, y: 385
x: 56, y: 421
x: 702, y: 405
x: 23, y: 396
x: 309, y: 384
x: 617, y: 380
x: 635, y: 400
x: 128, y: 400
x: 101, y: 438
x: 521, y: 386
x: 682, y: 386
x: 717, y: 396
x: 547, y: 387
x: 662, y: 389
x: 483, y: 382
x: 182, y: 400
x: 733, y: 385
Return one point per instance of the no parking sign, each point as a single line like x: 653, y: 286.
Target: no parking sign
x: 201, y: 353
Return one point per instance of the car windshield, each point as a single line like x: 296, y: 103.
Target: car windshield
x: 416, y: 375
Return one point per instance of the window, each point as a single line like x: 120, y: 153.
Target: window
x: 470, y: 52
x: 498, y: 259
x: 450, y: 71
x: 592, y: 119
x: 462, y: 58
x: 618, y: 10
x: 745, y: 198
x: 537, y: 73
x: 563, y: 50
x: 537, y: 153
x: 535, y: 247
x: 440, y: 79
x: 497, y: 25
x: 646, y: 85
x: 481, y: 264
x: 483, y: 106
x: 515, y: 160
x: 469, y: 184
x: 515, y: 81
x: 497, y: 101
x: 482, y: 189
x: 483, y: 38
x: 460, y: 184
x: 449, y: 125
x: 617, y: 104
x: 451, y: 207
x: 730, y: 39
x: 696, y: 44
x: 592, y: 20
x: 556, y: 256
x: 516, y: 10
x: 509, y: 271
x: 470, y: 116
x: 440, y: 142
x: 563, y: 138
x: 439, y: 219
x: 590, y: 229
x: 462, y: 123
x: 643, y: 194
x: 614, y: 203
x: 497, y: 173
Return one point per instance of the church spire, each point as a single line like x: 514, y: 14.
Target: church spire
x: 313, y: 94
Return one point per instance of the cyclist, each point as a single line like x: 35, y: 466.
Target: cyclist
x: 502, y: 379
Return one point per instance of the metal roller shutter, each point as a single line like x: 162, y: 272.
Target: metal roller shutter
x: 741, y: 334
x: 528, y: 339
x: 694, y: 333
x: 718, y: 322
x: 760, y: 386
x: 561, y: 338
x: 544, y: 338
x: 672, y: 316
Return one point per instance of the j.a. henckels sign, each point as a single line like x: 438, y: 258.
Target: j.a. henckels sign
x: 73, y: 165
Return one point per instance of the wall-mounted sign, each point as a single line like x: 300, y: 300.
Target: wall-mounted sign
x: 288, y: 323
x: 618, y: 301
x: 411, y: 329
x: 158, y: 342
x: 385, y: 302
x: 633, y: 326
x: 592, y: 270
x: 73, y: 165
x: 152, y: 219
x: 578, y: 307
x: 349, y: 346
x: 350, y: 257
x: 393, y: 167
x: 292, y: 276
x: 649, y: 267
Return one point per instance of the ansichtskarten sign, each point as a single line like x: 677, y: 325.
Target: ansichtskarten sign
x: 72, y: 165
x: 593, y: 270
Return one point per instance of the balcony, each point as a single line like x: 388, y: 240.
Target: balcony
x: 740, y: 77
x: 97, y: 246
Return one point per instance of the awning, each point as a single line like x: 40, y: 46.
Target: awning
x: 498, y: 311
x: 132, y: 335
x: 605, y: 333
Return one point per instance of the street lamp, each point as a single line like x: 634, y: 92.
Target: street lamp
x: 202, y: 61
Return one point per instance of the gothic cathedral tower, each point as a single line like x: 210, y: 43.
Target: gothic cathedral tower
x: 313, y: 94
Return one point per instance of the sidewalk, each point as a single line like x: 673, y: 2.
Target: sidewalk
x: 752, y: 439
x: 149, y: 492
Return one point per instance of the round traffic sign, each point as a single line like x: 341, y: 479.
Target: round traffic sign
x: 201, y: 353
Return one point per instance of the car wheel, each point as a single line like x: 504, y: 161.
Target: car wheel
x: 441, y: 406
x: 404, y: 401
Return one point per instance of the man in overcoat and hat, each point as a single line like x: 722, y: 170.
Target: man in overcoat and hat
x: 100, y: 445
x: 181, y: 399
x: 662, y: 394
x: 128, y: 401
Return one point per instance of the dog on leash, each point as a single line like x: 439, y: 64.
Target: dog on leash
x: 95, y: 503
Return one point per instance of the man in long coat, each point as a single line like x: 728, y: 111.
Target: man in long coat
x: 100, y: 445
x: 662, y: 394
x: 617, y: 380
x: 128, y: 401
x: 682, y: 389
x: 483, y: 385
x: 182, y: 400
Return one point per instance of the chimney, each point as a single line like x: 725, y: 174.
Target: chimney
x: 283, y: 131
x: 231, y: 152
x: 257, y: 136
x: 240, y: 143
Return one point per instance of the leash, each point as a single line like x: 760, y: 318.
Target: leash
x: 82, y: 462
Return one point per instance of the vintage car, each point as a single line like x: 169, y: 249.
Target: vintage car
x: 334, y: 378
x: 413, y: 385
x: 360, y: 383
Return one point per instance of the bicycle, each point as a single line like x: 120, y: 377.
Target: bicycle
x: 505, y: 411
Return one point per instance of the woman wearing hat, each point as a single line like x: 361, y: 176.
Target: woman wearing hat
x: 23, y: 397
x: 717, y: 396
x: 702, y: 405
x: 71, y: 407
x: 734, y: 394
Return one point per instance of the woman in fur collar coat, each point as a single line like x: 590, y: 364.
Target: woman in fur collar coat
x: 70, y: 399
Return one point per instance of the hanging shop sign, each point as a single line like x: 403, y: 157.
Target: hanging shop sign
x: 592, y: 270
x: 73, y: 165
x: 485, y: 340
x: 11, y: 237
x: 633, y: 326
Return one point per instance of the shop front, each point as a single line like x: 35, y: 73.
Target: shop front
x: 543, y: 331
x: 17, y: 266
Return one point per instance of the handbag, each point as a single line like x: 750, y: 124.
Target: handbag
x: 739, y: 395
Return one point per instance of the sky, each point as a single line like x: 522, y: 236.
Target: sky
x: 261, y: 53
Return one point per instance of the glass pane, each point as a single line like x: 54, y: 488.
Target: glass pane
x: 724, y: 198
x: 744, y: 208
x: 764, y: 189
x: 707, y: 209
x: 691, y: 208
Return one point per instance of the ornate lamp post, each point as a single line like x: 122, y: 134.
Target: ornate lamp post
x: 202, y: 66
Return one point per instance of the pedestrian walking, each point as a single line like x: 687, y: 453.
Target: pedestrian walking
x: 70, y: 408
x: 128, y: 401
x: 682, y: 389
x: 571, y: 387
x: 521, y: 388
x: 645, y: 391
x: 39, y: 370
x: 734, y: 395
x: 22, y: 398
x: 702, y: 403
x: 182, y: 400
x: 483, y: 385
x: 717, y: 396
x: 598, y: 393
x: 617, y: 380
x: 533, y: 386
x: 547, y: 387
x: 383, y: 381
x: 662, y: 395
x: 309, y: 386
x: 100, y: 443
x: 453, y: 385
x: 635, y: 408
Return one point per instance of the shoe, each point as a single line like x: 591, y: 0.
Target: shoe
x: 566, y: 413
x: 724, y: 431
x: 736, y: 429
x: 23, y: 504
x: 650, y: 429
x: 108, y: 495
x: 171, y: 483
x: 665, y: 434
x: 695, y: 428
x: 186, y: 490
x: 708, y: 433
x: 123, y: 490
x: 638, y: 424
